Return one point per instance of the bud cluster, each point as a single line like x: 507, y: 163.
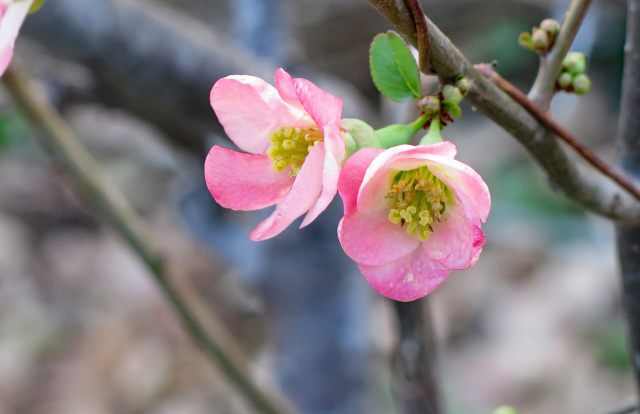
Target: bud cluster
x: 444, y: 105
x: 541, y: 38
x: 572, y: 77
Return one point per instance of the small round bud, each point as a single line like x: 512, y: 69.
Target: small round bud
x: 463, y: 84
x: 550, y: 26
x: 575, y: 63
x: 429, y: 104
x: 581, y: 84
x: 360, y: 133
x: 505, y: 410
x: 451, y: 93
x: 564, y: 80
x: 540, y: 39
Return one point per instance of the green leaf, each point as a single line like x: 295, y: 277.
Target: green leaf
x: 452, y: 107
x: 525, y: 40
x: 36, y: 6
x: 393, y: 68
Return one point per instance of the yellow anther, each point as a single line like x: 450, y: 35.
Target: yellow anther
x: 424, y: 233
x: 280, y: 165
x: 417, y: 199
x: 286, y: 152
x: 394, y: 216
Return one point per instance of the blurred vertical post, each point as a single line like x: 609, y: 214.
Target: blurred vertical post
x: 628, y: 236
x: 317, y: 309
x: 414, y: 381
x: 259, y: 25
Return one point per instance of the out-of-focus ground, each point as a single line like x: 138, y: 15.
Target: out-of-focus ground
x: 535, y: 324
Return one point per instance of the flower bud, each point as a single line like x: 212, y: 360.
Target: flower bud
x: 505, y: 410
x: 581, y: 84
x: 564, y: 80
x: 429, y: 104
x: 463, y: 84
x: 360, y: 132
x: 575, y: 63
x: 550, y: 26
x: 540, y: 39
x: 451, y: 93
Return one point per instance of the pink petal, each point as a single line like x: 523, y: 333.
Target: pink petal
x: 334, y: 153
x: 304, y: 193
x: 406, y: 279
x: 249, y: 109
x: 12, y: 18
x: 353, y: 171
x: 324, y: 108
x: 402, y: 157
x: 244, y: 181
x: 5, y: 58
x: 443, y: 149
x: 478, y: 241
x: 455, y: 240
x: 284, y: 85
x: 463, y: 179
x: 371, y: 239
x: 377, y: 180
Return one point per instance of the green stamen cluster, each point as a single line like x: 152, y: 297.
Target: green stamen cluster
x: 418, y: 199
x: 290, y: 147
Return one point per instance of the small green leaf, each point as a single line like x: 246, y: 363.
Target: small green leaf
x: 393, y: 68
x: 452, y: 107
x: 36, y: 6
x: 525, y: 40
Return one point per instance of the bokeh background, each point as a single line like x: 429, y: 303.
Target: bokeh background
x: 83, y: 329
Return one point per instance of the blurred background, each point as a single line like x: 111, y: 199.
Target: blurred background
x: 83, y: 329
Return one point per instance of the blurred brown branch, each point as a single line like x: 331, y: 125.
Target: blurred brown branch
x: 111, y: 206
x: 158, y: 63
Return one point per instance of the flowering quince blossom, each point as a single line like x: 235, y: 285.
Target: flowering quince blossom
x: 12, y: 14
x: 411, y: 215
x: 293, y: 143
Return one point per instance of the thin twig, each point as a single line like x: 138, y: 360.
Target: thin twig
x: 584, y: 185
x: 546, y: 120
x: 544, y: 86
x: 110, y: 205
x: 422, y: 34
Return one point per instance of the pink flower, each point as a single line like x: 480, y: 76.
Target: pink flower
x: 295, y: 149
x: 12, y: 14
x: 411, y: 215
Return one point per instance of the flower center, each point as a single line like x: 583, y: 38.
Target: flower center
x: 290, y: 146
x: 418, y: 198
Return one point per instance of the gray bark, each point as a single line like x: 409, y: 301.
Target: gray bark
x: 628, y: 237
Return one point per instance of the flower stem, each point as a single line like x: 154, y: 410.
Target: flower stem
x: 543, y: 88
x: 398, y: 134
x: 433, y: 135
x: 111, y: 206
